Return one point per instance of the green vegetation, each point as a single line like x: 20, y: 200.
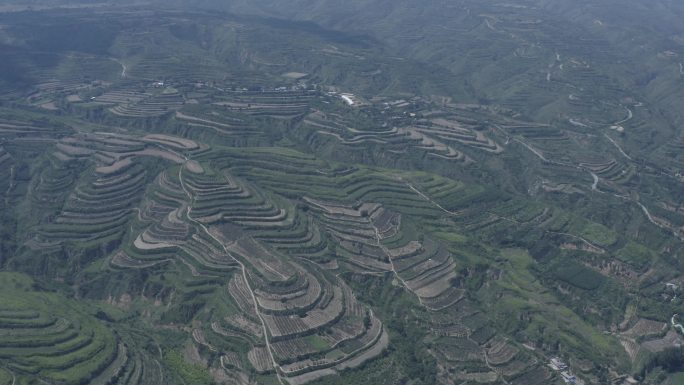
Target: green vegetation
x: 579, y: 276
x: 198, y: 197
x: 189, y: 373
x: 47, y: 335
x: 635, y: 254
x: 599, y: 234
x: 5, y: 377
x: 670, y: 360
x: 677, y: 378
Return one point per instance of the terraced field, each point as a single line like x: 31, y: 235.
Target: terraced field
x: 44, y: 335
x: 216, y: 198
x: 240, y: 216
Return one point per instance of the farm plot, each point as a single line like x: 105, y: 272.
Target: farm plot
x: 353, y: 229
x: 471, y: 348
x: 500, y: 352
x: 220, y: 197
x: 427, y: 271
x: 672, y: 338
x: 120, y: 97
x: 166, y: 234
x: 112, y: 150
x: 215, y: 122
x: 54, y: 184
x: 47, y: 88
x: 645, y: 328
x: 139, y: 369
x: 303, y: 238
x: 359, y: 229
x: 154, y: 106
x: 101, y: 202
x: 273, y: 104
x: 176, y: 67
x: 162, y: 228
x: 172, y: 234
x: 537, y: 376
x: 373, y: 341
x: 306, y: 314
x: 18, y: 127
x: 609, y: 169
x: 344, y: 342
x: 46, y: 336
x: 297, y: 298
x: 97, y: 208
x: 459, y: 350
x: 450, y: 129
x: 394, y: 139
x: 268, y: 265
x: 260, y: 359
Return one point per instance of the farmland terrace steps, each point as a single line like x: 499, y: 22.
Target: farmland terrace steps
x: 271, y: 221
x: 113, y: 151
x: 160, y: 229
x: 474, y: 350
x: 185, y: 68
x: 366, y: 224
x: 295, y: 306
x: 227, y: 127
x: 120, y: 97
x: 427, y: 272
x: 222, y: 198
x: 104, y: 196
x: 274, y: 104
x: 144, y: 371
x: 100, y: 203
x: 215, y: 217
x: 57, y: 347
x: 303, y: 238
x: 11, y: 127
x: 353, y: 229
x: 97, y: 209
x: 440, y: 133
x: 253, y: 236
x: 153, y: 106
x: 54, y: 184
x: 297, y: 310
x: 392, y: 139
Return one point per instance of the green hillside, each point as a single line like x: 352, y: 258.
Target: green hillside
x: 324, y: 193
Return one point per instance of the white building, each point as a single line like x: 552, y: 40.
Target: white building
x: 558, y: 365
x: 348, y: 98
x: 569, y: 378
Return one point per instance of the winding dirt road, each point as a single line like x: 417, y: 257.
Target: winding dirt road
x: 242, y: 268
x: 618, y: 147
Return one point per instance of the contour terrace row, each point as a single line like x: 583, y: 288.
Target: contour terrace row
x: 397, y: 140
x: 285, y: 104
x: 101, y: 202
x: 313, y: 321
x: 51, y: 337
